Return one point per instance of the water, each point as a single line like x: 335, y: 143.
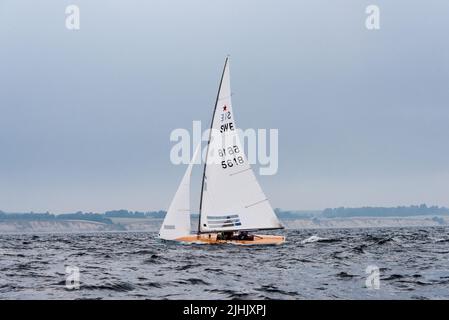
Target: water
x: 313, y: 264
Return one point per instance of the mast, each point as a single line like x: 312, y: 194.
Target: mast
x: 208, y: 142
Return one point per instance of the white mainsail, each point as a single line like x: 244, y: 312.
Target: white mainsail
x: 231, y: 198
x: 177, y: 220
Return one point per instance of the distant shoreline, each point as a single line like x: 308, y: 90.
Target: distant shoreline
x: 153, y: 224
x: 124, y: 220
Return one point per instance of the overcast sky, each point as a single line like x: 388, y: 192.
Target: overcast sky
x: 85, y: 116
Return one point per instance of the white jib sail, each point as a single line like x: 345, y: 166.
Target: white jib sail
x: 177, y: 220
x: 232, y: 199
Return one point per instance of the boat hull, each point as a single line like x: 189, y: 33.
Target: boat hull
x: 211, y: 238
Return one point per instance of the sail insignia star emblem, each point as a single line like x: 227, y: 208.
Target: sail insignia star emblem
x: 225, y: 108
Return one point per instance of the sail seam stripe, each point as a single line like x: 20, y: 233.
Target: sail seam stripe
x: 253, y: 204
x: 241, y: 229
x: 221, y: 220
x: 223, y: 217
x: 226, y: 225
x: 241, y: 171
x: 224, y: 222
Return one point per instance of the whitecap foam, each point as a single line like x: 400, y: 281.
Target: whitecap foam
x: 313, y: 239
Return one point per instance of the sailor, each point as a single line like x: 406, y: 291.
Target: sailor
x: 227, y: 235
x: 243, y: 235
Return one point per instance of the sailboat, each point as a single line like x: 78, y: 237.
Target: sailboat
x: 232, y: 203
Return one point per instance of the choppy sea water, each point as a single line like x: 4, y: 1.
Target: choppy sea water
x: 313, y: 264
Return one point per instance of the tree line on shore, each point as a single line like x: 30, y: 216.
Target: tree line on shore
x: 342, y: 212
x: 90, y: 216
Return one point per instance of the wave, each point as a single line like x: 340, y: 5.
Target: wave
x: 231, y: 294
x: 194, y: 281
x: 187, y: 266
x: 314, y: 238
x: 393, y: 277
x: 320, y: 264
x: 154, y: 258
x: 345, y: 275
x: 439, y: 239
x: 274, y: 289
x: 113, y: 286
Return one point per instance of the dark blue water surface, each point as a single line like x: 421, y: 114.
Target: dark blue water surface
x: 316, y: 264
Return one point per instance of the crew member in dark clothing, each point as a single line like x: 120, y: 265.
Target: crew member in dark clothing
x: 228, y: 235
x: 243, y: 235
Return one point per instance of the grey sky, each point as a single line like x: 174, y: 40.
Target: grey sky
x: 85, y: 116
